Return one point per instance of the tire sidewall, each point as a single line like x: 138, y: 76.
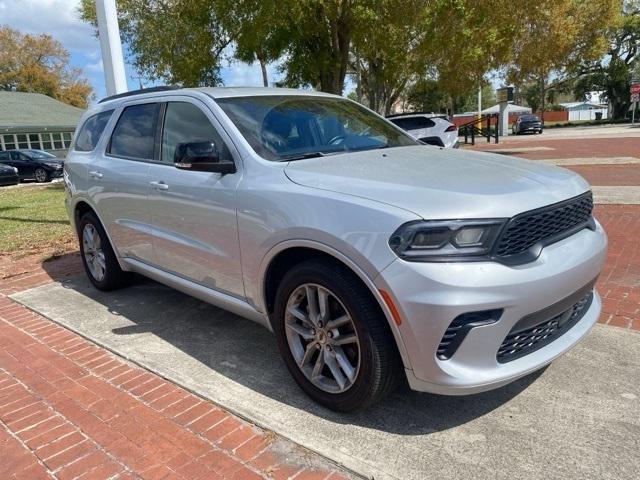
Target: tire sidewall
x: 106, y: 282
x: 46, y: 175
x: 353, y: 397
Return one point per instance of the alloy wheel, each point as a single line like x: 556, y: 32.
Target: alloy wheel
x: 41, y: 175
x: 93, y: 252
x: 322, y: 338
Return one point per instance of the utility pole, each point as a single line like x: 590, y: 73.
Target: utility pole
x: 109, y: 35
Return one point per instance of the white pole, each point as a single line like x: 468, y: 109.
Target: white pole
x: 109, y: 35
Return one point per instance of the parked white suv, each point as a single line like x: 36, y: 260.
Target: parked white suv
x: 429, y: 128
x: 373, y: 258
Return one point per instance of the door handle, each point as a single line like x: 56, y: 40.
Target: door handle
x: 95, y: 174
x: 159, y: 185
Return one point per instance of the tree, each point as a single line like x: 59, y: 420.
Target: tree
x: 613, y: 73
x: 40, y: 64
x: 177, y: 41
x: 557, y: 36
x: 255, y: 26
x: 384, y: 60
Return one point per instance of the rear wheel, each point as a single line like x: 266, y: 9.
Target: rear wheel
x: 99, y: 260
x: 333, y: 337
x: 41, y: 175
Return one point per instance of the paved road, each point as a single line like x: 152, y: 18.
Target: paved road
x: 578, y: 419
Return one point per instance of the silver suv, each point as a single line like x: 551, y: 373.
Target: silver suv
x: 373, y: 258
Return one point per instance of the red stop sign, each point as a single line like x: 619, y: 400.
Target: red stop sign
x: 635, y: 88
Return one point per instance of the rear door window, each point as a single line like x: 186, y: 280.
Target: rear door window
x: 413, y: 123
x: 91, y: 131
x: 134, y: 134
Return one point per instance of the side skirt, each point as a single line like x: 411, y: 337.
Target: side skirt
x: 214, y: 297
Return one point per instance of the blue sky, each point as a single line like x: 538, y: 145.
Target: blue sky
x: 60, y: 19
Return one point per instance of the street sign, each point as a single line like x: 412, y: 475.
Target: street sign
x: 635, y: 89
x: 635, y: 97
x: 505, y: 94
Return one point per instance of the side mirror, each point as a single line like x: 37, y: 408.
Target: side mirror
x: 201, y: 157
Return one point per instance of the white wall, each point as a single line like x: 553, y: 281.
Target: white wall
x: 585, y: 114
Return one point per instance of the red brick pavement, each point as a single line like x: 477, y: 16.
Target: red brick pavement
x: 70, y: 409
x: 609, y: 174
x: 570, y: 147
x: 619, y: 283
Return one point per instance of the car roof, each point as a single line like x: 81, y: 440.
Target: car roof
x: 217, y: 92
x: 416, y: 114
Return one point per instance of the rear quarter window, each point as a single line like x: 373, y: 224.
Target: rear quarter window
x: 91, y: 131
x: 413, y: 123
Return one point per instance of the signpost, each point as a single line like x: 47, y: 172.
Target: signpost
x: 109, y: 35
x: 635, y: 98
x: 504, y: 95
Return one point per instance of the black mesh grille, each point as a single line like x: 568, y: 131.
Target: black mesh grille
x: 518, y: 344
x: 529, y: 228
x: 460, y: 326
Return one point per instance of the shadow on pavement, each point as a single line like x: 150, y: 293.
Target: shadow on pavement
x: 247, y: 354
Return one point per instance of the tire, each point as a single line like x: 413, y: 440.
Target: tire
x: 112, y: 277
x: 41, y: 175
x: 379, y: 368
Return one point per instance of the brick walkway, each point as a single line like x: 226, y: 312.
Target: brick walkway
x: 619, y: 283
x: 70, y: 409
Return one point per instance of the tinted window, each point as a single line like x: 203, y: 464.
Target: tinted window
x: 134, y: 134
x: 413, y: 123
x: 186, y: 123
x: 4, y: 156
x: 529, y: 118
x: 16, y: 156
x: 289, y: 127
x: 91, y: 130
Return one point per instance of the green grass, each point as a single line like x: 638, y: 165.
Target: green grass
x: 33, y: 219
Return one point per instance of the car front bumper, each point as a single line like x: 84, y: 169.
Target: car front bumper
x: 429, y: 296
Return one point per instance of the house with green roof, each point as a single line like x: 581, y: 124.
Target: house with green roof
x: 34, y: 120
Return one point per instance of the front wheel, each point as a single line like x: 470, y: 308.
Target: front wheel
x: 99, y: 259
x: 334, y: 338
x: 41, y: 175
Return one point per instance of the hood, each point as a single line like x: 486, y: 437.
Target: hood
x: 437, y: 183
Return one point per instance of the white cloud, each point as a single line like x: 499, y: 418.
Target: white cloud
x: 58, y: 18
x: 94, y: 67
x: 238, y: 74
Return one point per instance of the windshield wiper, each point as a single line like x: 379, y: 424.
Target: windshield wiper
x: 301, y: 156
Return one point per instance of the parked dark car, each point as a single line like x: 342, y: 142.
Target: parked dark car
x: 33, y: 164
x: 8, y: 175
x: 527, y: 123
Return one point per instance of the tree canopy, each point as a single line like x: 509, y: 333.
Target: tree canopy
x: 388, y: 47
x: 40, y: 64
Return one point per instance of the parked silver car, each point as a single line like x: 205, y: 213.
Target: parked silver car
x: 373, y: 258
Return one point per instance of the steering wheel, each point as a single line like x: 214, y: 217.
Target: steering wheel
x: 338, y: 139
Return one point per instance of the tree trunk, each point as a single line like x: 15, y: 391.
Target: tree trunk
x: 542, y: 98
x: 263, y: 68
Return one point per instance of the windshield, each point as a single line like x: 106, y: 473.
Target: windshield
x: 530, y: 118
x: 38, y: 154
x: 282, y: 128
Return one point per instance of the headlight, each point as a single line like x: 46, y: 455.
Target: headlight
x: 446, y: 240
x: 54, y: 165
x: 15, y: 170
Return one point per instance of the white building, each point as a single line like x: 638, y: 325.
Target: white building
x: 585, y: 110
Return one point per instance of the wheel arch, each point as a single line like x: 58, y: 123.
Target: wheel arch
x: 80, y: 208
x: 283, y: 256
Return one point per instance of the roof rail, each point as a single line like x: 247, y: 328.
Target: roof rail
x: 410, y: 113
x: 131, y: 93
